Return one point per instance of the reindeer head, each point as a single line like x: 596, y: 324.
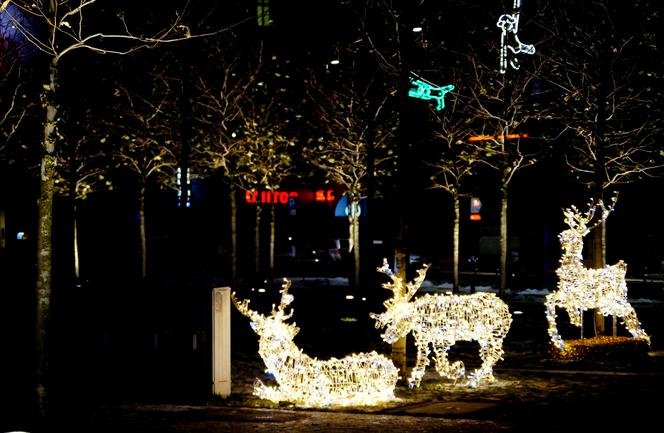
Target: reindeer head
x: 571, y: 239
x: 398, y: 311
x: 274, y: 325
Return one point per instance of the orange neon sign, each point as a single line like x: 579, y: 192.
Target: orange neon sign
x: 496, y: 137
x: 324, y: 195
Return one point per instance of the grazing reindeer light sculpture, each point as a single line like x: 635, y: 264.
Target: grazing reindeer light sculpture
x: 580, y: 289
x: 441, y: 320
x: 358, y: 379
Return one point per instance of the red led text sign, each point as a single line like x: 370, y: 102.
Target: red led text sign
x: 282, y: 197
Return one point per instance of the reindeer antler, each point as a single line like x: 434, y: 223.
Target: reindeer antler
x: 284, y: 302
x: 394, y: 286
x: 606, y: 211
x: 397, y: 283
x: 243, y: 307
x: 414, y: 286
x: 277, y: 312
x: 578, y: 221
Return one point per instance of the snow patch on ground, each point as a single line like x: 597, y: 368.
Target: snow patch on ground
x: 428, y: 286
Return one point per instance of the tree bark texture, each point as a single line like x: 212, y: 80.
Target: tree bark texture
x: 44, y: 244
x: 399, y: 346
x: 503, y: 243
x: 354, y: 220
x: 598, y: 262
x: 257, y: 241
x: 273, y: 226
x: 455, y: 247
x: 77, y: 267
x: 233, y: 200
x: 144, y: 240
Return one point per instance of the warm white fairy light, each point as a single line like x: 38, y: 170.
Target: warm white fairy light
x: 357, y: 379
x: 442, y: 320
x: 581, y: 289
x: 509, y: 24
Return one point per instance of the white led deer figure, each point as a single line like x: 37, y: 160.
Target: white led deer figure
x: 358, y: 379
x: 441, y: 320
x: 579, y: 288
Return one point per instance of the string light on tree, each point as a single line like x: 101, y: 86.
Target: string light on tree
x: 357, y: 379
x: 441, y: 321
x: 509, y: 25
x: 579, y: 288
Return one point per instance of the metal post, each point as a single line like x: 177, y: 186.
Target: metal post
x: 221, y: 341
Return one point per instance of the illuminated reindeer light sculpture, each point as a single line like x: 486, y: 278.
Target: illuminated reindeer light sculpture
x: 358, y: 379
x: 442, y: 320
x: 579, y: 288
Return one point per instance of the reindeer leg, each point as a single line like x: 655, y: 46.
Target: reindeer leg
x: 490, y: 351
x: 453, y: 371
x: 417, y: 372
x: 272, y: 393
x: 633, y: 325
x: 550, y: 304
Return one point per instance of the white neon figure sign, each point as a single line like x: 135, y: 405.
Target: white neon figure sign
x: 509, y: 24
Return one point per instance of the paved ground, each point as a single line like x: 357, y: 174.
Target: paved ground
x: 542, y: 401
x: 607, y: 399
x: 533, y: 392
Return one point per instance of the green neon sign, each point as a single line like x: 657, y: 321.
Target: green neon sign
x: 427, y: 91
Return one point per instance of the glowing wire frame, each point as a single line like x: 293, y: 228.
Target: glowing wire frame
x: 509, y: 24
x: 580, y: 289
x: 442, y: 320
x: 357, y: 379
x: 426, y: 91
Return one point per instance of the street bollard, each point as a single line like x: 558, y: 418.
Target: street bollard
x: 221, y: 341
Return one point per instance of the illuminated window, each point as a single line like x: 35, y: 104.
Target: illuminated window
x: 263, y: 13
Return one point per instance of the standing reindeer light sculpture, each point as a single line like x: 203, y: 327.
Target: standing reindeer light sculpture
x: 358, y: 379
x: 441, y: 320
x: 579, y: 288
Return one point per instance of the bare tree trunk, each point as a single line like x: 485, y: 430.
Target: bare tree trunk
x: 272, y: 236
x: 503, y: 242
x: 144, y: 245
x: 598, y: 262
x: 399, y: 346
x: 233, y: 200
x: 455, y: 247
x: 603, y: 99
x: 77, y: 268
x: 354, y: 219
x: 44, y: 245
x: 257, y: 241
